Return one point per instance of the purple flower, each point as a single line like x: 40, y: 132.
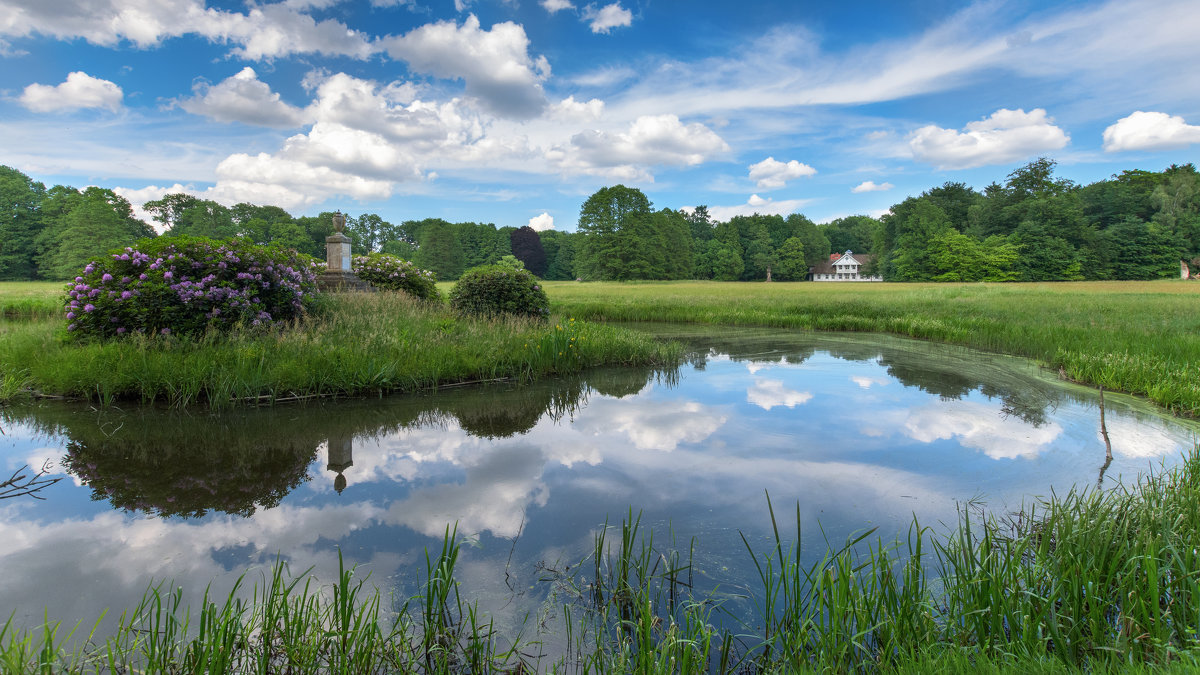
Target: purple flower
x: 70, y: 315
x: 106, y: 277
x: 89, y: 307
x: 166, y: 331
x: 120, y: 330
x: 167, y: 275
x: 125, y: 295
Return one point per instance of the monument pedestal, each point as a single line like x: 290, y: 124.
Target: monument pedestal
x: 337, y: 275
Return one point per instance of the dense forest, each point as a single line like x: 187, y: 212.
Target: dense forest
x: 1033, y: 227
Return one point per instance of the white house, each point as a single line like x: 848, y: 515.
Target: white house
x: 843, y: 267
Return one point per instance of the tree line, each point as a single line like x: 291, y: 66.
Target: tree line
x: 1033, y: 227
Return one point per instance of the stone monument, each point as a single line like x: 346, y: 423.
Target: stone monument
x: 341, y: 457
x: 338, y: 275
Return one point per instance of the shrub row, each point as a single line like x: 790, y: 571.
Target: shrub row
x: 189, y: 285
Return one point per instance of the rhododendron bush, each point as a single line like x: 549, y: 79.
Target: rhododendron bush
x: 185, y: 286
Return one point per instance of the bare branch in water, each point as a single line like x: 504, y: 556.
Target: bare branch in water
x: 21, y: 483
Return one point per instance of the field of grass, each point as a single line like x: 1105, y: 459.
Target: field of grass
x: 1092, y: 582
x: 1139, y: 337
x: 360, y: 345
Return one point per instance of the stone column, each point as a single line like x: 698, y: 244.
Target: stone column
x: 338, y: 275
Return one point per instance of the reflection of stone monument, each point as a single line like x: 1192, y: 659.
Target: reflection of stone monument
x: 341, y: 457
x: 338, y: 275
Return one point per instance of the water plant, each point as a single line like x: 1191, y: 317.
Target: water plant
x: 186, y: 286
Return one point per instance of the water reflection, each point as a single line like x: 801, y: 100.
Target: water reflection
x: 857, y: 431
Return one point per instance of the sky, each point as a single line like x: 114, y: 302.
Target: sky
x: 513, y: 112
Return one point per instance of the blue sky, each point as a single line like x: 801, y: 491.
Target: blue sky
x: 514, y: 111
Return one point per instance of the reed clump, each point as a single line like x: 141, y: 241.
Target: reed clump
x: 1091, y: 581
x: 350, y: 345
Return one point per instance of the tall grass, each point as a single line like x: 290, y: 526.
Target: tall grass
x: 1138, y: 337
x: 1088, y: 581
x: 355, y: 345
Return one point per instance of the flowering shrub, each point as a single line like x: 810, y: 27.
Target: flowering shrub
x: 492, y: 290
x: 185, y: 285
x: 394, y: 274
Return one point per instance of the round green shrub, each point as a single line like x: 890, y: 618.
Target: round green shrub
x: 186, y: 285
x: 492, y: 290
x: 391, y: 273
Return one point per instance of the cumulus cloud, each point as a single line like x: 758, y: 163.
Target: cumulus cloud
x: 542, y: 222
x: 494, y: 64
x: 79, y: 90
x: 757, y: 204
x: 658, y: 140
x: 243, y: 98
x: 265, y: 31
x: 608, y: 17
x: 570, y: 109
x: 1150, y: 131
x: 770, y: 173
x: 553, y: 6
x: 1005, y: 136
x: 870, y: 186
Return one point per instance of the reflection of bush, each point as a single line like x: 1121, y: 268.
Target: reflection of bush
x: 499, y: 412
x: 191, y: 483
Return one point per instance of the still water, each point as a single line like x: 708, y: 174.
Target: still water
x: 858, y: 431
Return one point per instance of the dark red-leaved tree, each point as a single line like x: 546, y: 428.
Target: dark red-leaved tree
x: 527, y: 247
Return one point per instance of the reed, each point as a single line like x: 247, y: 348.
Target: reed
x: 1089, y: 581
x: 1137, y: 337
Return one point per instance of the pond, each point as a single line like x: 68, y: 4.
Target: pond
x: 856, y: 431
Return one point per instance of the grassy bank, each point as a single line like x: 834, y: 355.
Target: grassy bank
x: 358, y: 344
x: 1086, y: 582
x: 1138, y: 337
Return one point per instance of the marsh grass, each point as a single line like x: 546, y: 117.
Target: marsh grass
x: 1089, y: 581
x: 1138, y: 337
x: 352, y: 345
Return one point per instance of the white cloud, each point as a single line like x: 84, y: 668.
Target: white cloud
x: 1005, y: 136
x: 265, y: 31
x: 980, y: 426
x: 867, y: 382
x: 870, y: 186
x: 606, y: 18
x: 494, y: 64
x: 660, y: 140
x: 768, y: 394
x: 553, y: 6
x: 80, y: 90
x: 289, y: 183
x: 770, y: 173
x: 243, y: 98
x: 542, y: 222
x: 757, y: 204
x: 570, y: 109
x: 1150, y: 131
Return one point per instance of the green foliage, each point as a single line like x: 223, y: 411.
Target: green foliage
x: 441, y: 250
x: 610, y: 228
x: 89, y: 223
x: 495, y: 290
x: 185, y: 286
x: 792, y: 264
x: 390, y: 273
x: 20, y: 223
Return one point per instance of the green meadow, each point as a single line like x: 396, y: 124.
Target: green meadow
x: 350, y: 345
